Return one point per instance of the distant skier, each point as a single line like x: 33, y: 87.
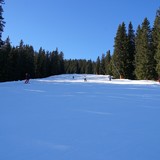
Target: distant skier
x: 85, y: 79
x: 27, y: 78
x: 109, y: 77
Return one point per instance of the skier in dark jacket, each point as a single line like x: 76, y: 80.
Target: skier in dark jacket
x: 27, y: 78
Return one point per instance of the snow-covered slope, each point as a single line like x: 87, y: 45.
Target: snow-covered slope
x: 94, y: 79
x: 61, y: 118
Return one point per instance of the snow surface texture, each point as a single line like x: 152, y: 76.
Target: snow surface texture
x: 61, y: 118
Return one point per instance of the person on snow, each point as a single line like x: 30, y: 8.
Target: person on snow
x: 27, y: 78
x: 85, y: 79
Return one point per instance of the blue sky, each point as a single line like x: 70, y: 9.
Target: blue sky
x: 80, y: 28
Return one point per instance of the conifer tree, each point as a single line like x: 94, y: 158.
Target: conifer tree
x: 14, y: 64
x: 40, y: 63
x: 61, y: 63
x: 144, y: 58
x: 48, y: 69
x: 158, y: 60
x: 81, y: 66
x: 138, y: 53
x: 108, y: 63
x: 7, y: 51
x: 29, y: 66
x: 156, y: 41
x: 2, y: 22
x: 120, y: 55
x: 22, y: 60
x: 102, y: 65
x: 55, y: 62
x: 89, y: 67
x: 98, y: 63
x: 131, y: 52
x: 156, y: 30
x: 4, y: 61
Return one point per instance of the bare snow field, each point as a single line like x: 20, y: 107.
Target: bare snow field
x: 61, y: 118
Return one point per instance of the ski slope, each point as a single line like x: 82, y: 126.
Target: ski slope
x: 61, y: 118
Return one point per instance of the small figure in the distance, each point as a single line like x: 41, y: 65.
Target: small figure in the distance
x: 27, y: 78
x: 110, y: 77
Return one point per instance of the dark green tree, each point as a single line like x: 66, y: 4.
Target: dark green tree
x: 55, y: 63
x: 21, y: 61
x: 4, y: 61
x: 158, y: 60
x: 40, y: 62
x: 82, y: 66
x: 89, y: 67
x: 120, y: 55
x: 66, y: 66
x: 98, y: 65
x: 61, y: 63
x: 14, y: 64
x: 102, y: 64
x: 131, y: 52
x: 48, y: 64
x: 138, y: 53
x: 108, y: 63
x: 156, y: 41
x: 29, y: 63
x: 2, y: 22
x: 144, y: 58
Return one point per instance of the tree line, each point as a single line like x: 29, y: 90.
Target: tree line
x: 15, y: 62
x: 136, y: 55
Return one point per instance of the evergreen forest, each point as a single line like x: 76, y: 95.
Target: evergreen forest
x: 136, y: 55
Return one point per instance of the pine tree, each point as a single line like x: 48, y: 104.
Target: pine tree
x: 7, y: 52
x: 89, y: 67
x: 156, y: 41
x: 61, y: 63
x: 29, y: 66
x: 108, y: 63
x: 158, y: 60
x: 14, y: 59
x: 2, y: 22
x: 41, y: 64
x: 144, y: 58
x: 48, y: 67
x: 120, y: 55
x: 21, y: 60
x: 102, y: 65
x: 138, y: 53
x: 156, y: 30
x: 98, y: 63
x: 4, y: 61
x: 82, y: 66
x: 131, y: 52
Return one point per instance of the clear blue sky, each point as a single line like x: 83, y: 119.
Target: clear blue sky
x: 80, y: 28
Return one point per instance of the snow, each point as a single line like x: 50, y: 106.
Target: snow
x: 61, y: 118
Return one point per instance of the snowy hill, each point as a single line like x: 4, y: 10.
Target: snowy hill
x: 61, y: 118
